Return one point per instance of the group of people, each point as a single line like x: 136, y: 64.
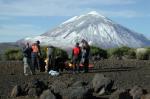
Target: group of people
x: 31, y: 58
x: 32, y: 54
x: 80, y: 56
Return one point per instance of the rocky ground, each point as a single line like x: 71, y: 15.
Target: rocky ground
x: 124, y: 73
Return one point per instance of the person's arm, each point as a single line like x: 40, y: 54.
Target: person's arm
x: 89, y: 54
x: 80, y: 54
x: 24, y: 49
x: 39, y: 48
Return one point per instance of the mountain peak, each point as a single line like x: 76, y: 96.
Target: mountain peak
x: 96, y: 29
x: 92, y: 13
x: 95, y: 13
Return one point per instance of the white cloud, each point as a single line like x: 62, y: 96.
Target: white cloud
x: 53, y: 7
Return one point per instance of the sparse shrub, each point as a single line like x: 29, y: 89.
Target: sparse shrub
x: 120, y: 52
x: 142, y: 53
x: 60, y: 53
x: 125, y: 50
x: 131, y: 54
x: 148, y: 51
x: 101, y: 53
x: 115, y: 52
x: 57, y: 52
x: 16, y: 54
x: 13, y: 54
x: 142, y: 56
x: 43, y: 52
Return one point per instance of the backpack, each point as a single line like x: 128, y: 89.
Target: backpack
x: 76, y: 51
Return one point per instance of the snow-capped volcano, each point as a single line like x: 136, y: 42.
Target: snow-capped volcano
x: 93, y: 27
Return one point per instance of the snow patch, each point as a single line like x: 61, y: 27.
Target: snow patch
x: 94, y: 13
x: 71, y: 20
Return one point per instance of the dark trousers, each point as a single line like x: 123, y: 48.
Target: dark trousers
x: 51, y: 62
x: 86, y: 65
x: 35, y: 61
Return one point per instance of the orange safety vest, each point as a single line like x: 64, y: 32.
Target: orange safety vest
x: 76, y: 51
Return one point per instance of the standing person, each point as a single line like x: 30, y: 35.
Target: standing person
x: 39, y: 55
x: 50, y: 58
x: 35, y: 56
x: 85, y: 55
x: 39, y: 48
x: 76, y: 57
x: 27, y: 59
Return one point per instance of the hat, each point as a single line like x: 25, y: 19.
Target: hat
x: 38, y: 42
x: 77, y: 44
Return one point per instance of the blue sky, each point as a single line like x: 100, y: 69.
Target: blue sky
x: 22, y: 18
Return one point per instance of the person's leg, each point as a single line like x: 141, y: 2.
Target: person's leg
x: 50, y: 64
x: 78, y: 65
x: 86, y: 65
x: 37, y: 62
x: 30, y: 66
x: 57, y: 64
x: 33, y: 63
x: 62, y: 66
x: 53, y: 63
x: 74, y: 65
x: 25, y: 65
